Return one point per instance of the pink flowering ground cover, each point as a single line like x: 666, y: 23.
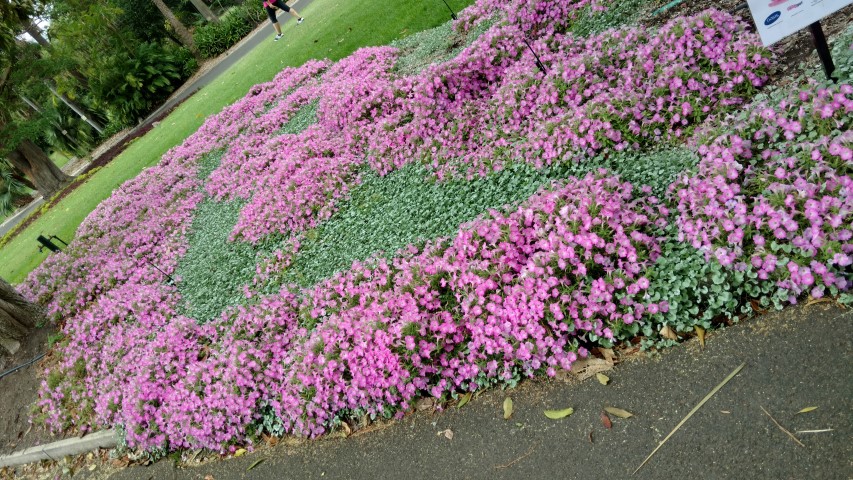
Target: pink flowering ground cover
x: 767, y: 195
x: 517, y: 292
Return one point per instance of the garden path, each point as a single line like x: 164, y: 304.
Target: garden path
x: 794, y: 359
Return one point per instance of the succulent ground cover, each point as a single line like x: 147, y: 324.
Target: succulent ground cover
x: 355, y: 235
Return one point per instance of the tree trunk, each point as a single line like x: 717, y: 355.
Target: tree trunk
x: 35, y: 164
x: 34, y: 32
x: 23, y: 180
x: 205, y: 11
x: 182, y: 32
x: 17, y: 317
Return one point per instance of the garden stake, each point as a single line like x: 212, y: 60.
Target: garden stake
x: 452, y: 15
x: 707, y: 397
x: 538, y: 61
x: 171, y: 280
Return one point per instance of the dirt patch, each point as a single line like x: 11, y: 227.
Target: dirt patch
x: 18, y: 392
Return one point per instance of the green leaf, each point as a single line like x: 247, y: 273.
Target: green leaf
x: 558, y: 414
x: 465, y: 399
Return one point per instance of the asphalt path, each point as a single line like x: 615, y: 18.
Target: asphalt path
x: 796, y: 358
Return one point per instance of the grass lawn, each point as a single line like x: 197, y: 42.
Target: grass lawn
x: 332, y: 29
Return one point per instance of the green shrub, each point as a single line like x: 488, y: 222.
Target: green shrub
x: 131, y: 86
x: 214, y: 38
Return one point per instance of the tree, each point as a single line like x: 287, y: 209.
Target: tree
x: 206, y: 12
x: 183, y: 34
x: 33, y: 162
x: 17, y: 317
x: 13, y: 15
x: 17, y: 136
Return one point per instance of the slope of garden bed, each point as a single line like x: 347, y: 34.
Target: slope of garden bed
x: 353, y: 236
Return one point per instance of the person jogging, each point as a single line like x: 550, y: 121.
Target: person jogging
x: 271, y: 5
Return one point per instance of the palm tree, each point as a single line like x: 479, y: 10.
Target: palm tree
x: 183, y: 34
x: 205, y: 11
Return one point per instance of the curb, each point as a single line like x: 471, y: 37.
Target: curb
x: 57, y: 450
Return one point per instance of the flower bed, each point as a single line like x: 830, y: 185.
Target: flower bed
x: 519, y: 291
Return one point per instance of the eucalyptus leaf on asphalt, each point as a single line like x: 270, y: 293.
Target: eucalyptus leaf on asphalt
x: 618, y: 412
x: 558, y: 414
x: 507, y: 408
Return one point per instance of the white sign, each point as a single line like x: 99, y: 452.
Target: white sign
x: 776, y: 19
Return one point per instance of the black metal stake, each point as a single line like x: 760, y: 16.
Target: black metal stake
x: 171, y: 280
x: 538, y: 61
x: 822, y: 49
x: 452, y: 15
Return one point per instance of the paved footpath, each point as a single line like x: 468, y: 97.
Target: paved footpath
x: 794, y: 359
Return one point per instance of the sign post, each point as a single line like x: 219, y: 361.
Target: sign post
x: 776, y: 19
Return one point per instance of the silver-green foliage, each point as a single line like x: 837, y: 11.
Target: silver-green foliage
x: 436, y: 45
x: 214, y: 269
x: 699, y: 292
x: 616, y: 14
x: 301, y: 120
x: 407, y: 206
x: 208, y: 163
x: 842, y: 55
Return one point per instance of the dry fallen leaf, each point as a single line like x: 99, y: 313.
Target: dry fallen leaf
x: 558, y: 414
x: 605, y: 420
x: 208, y: 477
x: 700, y: 332
x: 465, y: 399
x: 618, y: 412
x: 448, y: 434
x: 585, y: 368
x: 346, y: 429
x: 602, y: 378
x: 425, y: 404
x: 668, y: 333
x: 240, y: 452
x: 507, y: 408
x: 257, y: 462
x: 92, y: 468
x: 806, y: 410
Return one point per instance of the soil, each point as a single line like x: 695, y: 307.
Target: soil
x: 18, y: 391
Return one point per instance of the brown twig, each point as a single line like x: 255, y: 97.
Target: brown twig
x: 707, y: 397
x: 519, y: 458
x: 782, y: 428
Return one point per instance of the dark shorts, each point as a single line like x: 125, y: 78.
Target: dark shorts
x: 271, y: 11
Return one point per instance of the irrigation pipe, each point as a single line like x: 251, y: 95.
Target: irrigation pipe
x: 23, y: 365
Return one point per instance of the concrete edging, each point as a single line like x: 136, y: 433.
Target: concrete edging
x: 57, y: 450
